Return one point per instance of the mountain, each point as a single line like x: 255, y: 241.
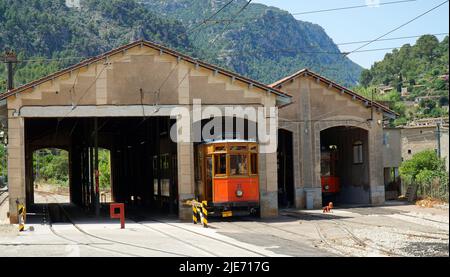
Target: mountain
x: 410, y: 65
x: 264, y: 43
x: 260, y: 42
x: 48, y: 29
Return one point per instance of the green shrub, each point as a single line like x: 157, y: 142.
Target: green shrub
x: 428, y: 171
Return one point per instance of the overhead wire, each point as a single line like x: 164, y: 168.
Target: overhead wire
x: 277, y: 50
x: 397, y: 28
x: 217, y: 21
x: 233, y: 17
x: 388, y: 39
x: 204, y: 21
x: 353, y: 7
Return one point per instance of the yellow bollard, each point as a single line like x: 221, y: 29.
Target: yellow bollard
x: 194, y: 214
x: 204, y: 213
x: 21, y: 215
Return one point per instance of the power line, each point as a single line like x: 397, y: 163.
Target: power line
x: 397, y: 28
x: 353, y: 7
x: 312, y: 12
x: 388, y: 39
x: 53, y: 59
x: 301, y: 51
x: 204, y: 21
x: 233, y: 17
x: 287, y: 50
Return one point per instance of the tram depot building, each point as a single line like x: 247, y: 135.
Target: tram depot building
x: 327, y: 143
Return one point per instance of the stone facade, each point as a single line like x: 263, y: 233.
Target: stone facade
x: 392, y: 147
x: 136, y: 80
x: 418, y: 139
x: 317, y: 106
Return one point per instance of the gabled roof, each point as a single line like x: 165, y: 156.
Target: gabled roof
x: 284, y: 97
x: 308, y: 73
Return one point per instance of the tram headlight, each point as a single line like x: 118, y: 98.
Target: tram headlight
x: 239, y: 193
x: 327, y: 187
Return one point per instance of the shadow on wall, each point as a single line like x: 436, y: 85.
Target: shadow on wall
x: 354, y: 195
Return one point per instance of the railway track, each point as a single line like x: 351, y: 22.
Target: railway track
x: 156, y: 230
x: 203, y: 236
x: 426, y: 234
x: 134, y: 246
x: 359, y: 243
x: 76, y: 242
x: 4, y: 195
x: 319, y: 232
x: 426, y: 219
x: 196, y: 247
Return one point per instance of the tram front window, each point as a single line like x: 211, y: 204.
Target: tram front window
x: 220, y: 164
x: 238, y: 165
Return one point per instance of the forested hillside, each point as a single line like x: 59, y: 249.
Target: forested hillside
x: 420, y: 71
x: 48, y: 29
x: 264, y: 43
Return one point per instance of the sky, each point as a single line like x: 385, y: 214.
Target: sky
x: 368, y: 23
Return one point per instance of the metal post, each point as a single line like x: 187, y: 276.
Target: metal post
x: 10, y: 59
x: 96, y: 172
x: 371, y: 105
x: 91, y: 178
x: 438, y: 138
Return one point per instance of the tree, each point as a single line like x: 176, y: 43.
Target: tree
x: 104, y: 169
x: 366, y: 78
x: 425, y: 169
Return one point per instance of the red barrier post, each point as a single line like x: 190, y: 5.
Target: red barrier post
x: 121, y: 214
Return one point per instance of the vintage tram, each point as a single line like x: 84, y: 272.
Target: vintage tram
x: 329, y: 173
x: 227, y: 177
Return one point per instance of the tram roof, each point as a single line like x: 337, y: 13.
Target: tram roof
x: 229, y: 141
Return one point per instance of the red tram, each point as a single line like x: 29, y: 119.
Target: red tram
x: 227, y: 177
x: 329, y: 177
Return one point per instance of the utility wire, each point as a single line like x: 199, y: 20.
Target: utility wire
x: 397, y: 28
x: 288, y: 50
x: 353, y: 7
x: 211, y: 21
x: 301, y: 51
x: 233, y: 17
x: 52, y: 59
x: 204, y: 21
x: 388, y: 39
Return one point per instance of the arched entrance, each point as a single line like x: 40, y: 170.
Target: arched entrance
x: 344, y: 165
x: 51, y: 181
x: 286, y: 187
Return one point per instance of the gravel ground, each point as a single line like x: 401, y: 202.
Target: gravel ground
x: 391, y: 231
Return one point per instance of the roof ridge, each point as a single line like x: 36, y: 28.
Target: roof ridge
x: 150, y: 44
x: 334, y: 84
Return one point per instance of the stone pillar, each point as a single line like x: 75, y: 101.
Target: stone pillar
x: 268, y: 170
x: 376, y: 178
x: 268, y: 185
x: 186, y: 182
x: 16, y: 164
x: 308, y: 140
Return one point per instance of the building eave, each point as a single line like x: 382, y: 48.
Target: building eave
x: 282, y: 97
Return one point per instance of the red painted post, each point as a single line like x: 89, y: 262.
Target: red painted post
x: 121, y: 214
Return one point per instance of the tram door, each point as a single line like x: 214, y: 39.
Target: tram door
x: 209, y: 178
